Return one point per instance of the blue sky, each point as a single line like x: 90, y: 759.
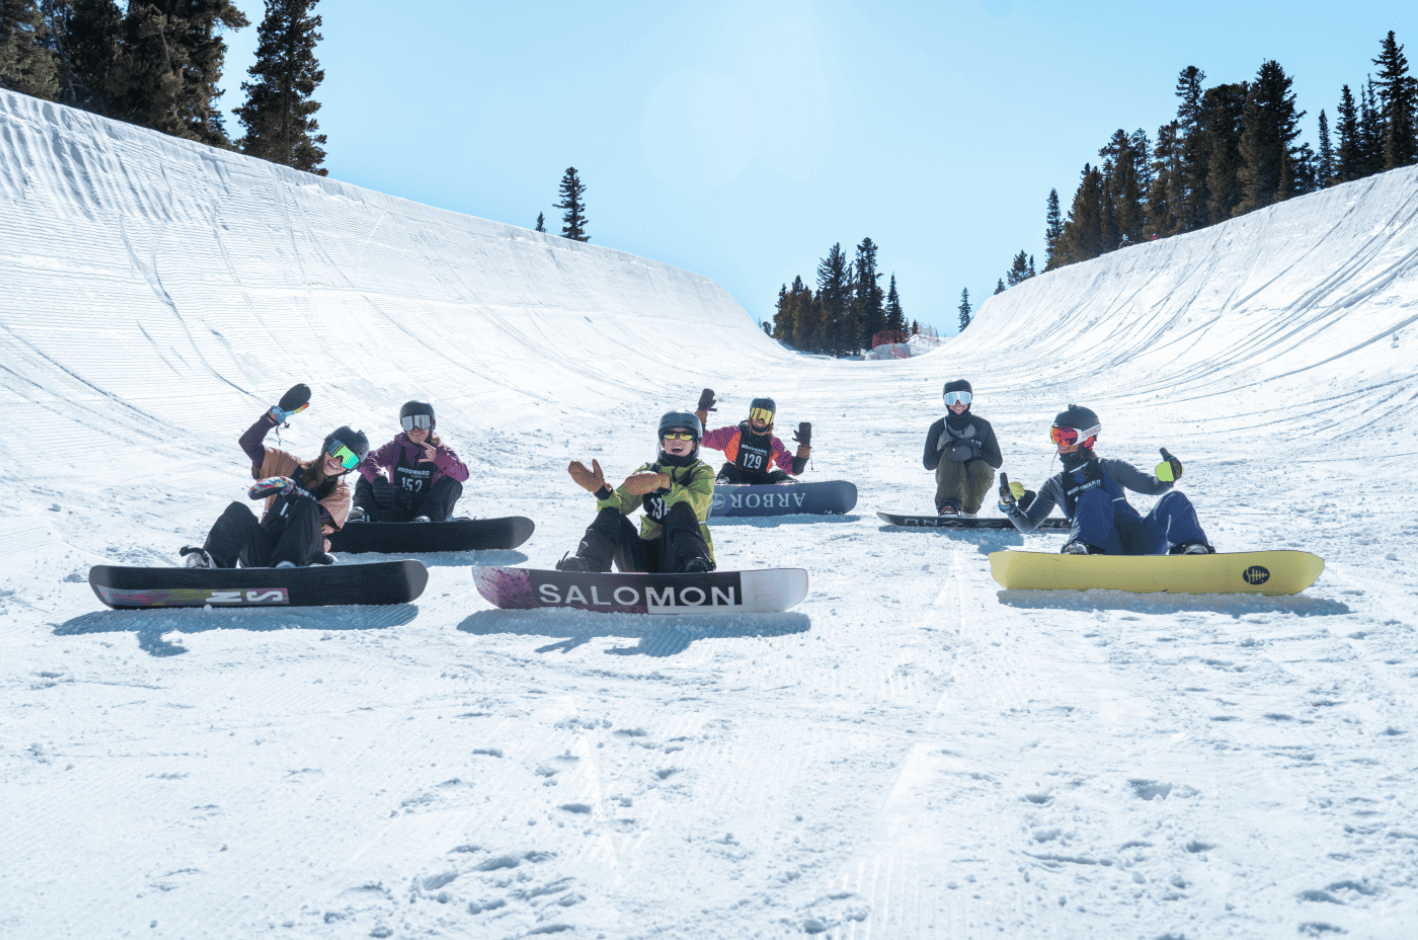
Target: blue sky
x: 741, y: 140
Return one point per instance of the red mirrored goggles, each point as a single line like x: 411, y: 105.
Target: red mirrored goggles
x: 1067, y: 437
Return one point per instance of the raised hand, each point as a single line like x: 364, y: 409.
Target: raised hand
x: 1170, y: 469
x: 647, y: 481
x: 429, y: 453
x: 1009, y: 494
x: 706, y: 401
x: 804, y: 434
x: 271, y: 486
x: 293, y: 402
x: 592, y: 480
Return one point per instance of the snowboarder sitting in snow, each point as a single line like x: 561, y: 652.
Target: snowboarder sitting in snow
x: 1090, y: 491
x: 962, y: 450
x: 304, y: 501
x: 751, y: 447
x: 675, y: 490
x: 413, y: 478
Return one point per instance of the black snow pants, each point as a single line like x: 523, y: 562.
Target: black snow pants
x: 293, y: 536
x: 732, y: 473
x: 612, y: 537
x: 382, y: 501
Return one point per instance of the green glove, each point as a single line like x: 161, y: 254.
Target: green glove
x: 1170, y: 469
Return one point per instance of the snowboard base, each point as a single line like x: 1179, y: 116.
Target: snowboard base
x: 390, y: 582
x: 1276, y: 572
x: 455, y: 535
x: 830, y: 497
x: 769, y: 590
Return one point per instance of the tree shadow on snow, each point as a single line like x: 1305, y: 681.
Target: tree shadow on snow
x: 150, y: 625
x: 772, y: 522
x: 1234, y: 605
x: 657, y: 636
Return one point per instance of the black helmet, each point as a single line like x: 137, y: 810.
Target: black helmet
x: 412, y: 408
x: 958, y: 385
x: 679, y: 419
x: 354, y: 440
x: 1081, y: 419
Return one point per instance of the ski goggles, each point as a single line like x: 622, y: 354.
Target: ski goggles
x: 347, y: 458
x: 1067, y: 437
x: 410, y: 422
x: 957, y: 398
x: 760, y: 414
x: 679, y: 435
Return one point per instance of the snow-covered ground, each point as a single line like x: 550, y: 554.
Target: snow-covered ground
x: 910, y: 753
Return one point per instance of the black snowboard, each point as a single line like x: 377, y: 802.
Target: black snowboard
x: 455, y: 535
x: 388, y: 582
x: 956, y: 522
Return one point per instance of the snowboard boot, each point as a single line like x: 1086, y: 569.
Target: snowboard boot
x: 420, y: 519
x: 699, y: 565
x: 593, y: 554
x: 194, y: 557
x: 1081, y: 548
x: 357, y: 514
x: 951, y: 507
x: 323, y: 558
x: 1194, y: 547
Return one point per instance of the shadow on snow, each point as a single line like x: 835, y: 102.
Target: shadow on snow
x: 984, y: 540
x: 150, y: 625
x: 1234, y: 605
x: 657, y: 636
x: 772, y: 522
x: 489, y: 557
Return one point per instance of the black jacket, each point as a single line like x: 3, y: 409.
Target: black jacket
x: 939, y: 443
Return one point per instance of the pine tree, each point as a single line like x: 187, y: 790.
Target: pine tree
x: 1053, y: 233
x: 999, y: 286
x: 1398, y: 97
x: 278, y: 113
x: 27, y: 64
x: 835, y: 333
x: 1324, y: 170
x: 1270, y: 126
x: 541, y: 222
x: 573, y: 219
x: 1371, y: 132
x: 1223, y: 111
x: 895, y: 316
x: 867, y: 296
x: 1347, y: 158
x: 1162, y: 219
x: 1020, y: 270
x: 92, y: 32
x: 964, y: 308
x: 1126, y: 212
x: 169, y: 66
x: 1083, y: 232
x: 1190, y: 194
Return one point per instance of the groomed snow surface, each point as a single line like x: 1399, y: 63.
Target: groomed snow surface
x: 910, y: 753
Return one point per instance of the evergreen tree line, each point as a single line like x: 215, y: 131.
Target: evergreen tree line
x: 1232, y: 149
x: 157, y: 63
x: 848, y: 309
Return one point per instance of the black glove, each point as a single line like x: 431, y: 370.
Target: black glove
x: 293, y: 402
x: 804, y: 435
x: 706, y: 400
x: 777, y: 476
x: 960, y: 451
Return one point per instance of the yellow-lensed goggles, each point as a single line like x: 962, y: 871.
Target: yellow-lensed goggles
x: 760, y: 414
x: 678, y: 436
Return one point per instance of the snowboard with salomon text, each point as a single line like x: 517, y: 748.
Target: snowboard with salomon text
x: 768, y: 590
x: 389, y: 582
x: 961, y: 522
x: 782, y: 499
x: 455, y: 535
x: 1277, y: 572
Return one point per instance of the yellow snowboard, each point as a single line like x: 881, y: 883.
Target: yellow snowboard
x: 1227, y: 573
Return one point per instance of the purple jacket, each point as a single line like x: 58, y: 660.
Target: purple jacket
x: 386, y: 458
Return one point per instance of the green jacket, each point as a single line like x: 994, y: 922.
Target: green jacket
x: 693, y: 484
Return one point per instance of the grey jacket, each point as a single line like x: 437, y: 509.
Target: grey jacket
x: 1114, y: 477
